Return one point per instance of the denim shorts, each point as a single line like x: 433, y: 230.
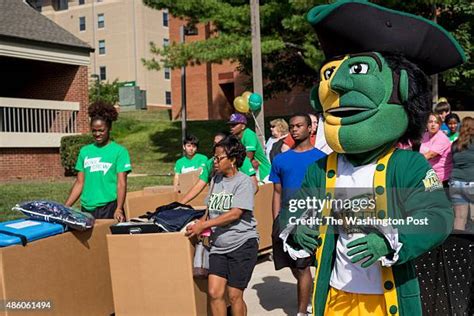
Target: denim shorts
x: 461, y: 192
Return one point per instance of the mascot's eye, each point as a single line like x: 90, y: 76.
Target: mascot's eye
x: 359, y: 68
x: 328, y: 73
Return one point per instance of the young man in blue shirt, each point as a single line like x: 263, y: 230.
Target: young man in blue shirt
x: 287, y: 173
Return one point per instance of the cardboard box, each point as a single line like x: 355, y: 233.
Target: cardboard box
x: 158, y: 189
x: 263, y: 215
x: 152, y: 275
x: 187, y: 180
x: 70, y: 270
x: 139, y: 204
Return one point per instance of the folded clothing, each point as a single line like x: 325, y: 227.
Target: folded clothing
x: 174, y: 216
x: 49, y: 211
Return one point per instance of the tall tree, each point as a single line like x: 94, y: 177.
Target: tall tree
x: 290, y: 51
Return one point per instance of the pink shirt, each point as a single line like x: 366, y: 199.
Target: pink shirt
x: 440, y: 144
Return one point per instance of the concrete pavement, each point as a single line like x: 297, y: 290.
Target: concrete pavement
x: 271, y: 292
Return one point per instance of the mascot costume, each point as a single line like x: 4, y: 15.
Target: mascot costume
x: 373, y: 93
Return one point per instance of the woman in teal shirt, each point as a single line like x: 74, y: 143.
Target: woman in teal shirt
x: 102, y: 168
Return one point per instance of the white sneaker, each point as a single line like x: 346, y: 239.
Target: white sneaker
x: 309, y: 309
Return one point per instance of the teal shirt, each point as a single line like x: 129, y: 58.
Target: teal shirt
x: 251, y: 143
x: 100, y: 166
x: 184, y: 164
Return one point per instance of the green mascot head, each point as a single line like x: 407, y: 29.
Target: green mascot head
x: 373, y: 90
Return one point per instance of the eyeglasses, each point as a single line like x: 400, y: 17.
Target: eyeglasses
x: 218, y: 159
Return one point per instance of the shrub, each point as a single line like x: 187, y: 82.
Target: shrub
x: 69, y: 150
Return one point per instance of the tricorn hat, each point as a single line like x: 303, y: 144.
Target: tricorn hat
x: 348, y: 27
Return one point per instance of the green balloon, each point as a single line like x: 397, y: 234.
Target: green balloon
x: 255, y: 102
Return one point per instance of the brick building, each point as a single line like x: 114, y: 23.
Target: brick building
x: 211, y: 88
x: 43, y: 91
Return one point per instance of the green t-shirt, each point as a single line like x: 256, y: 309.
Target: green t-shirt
x: 100, y: 166
x: 184, y: 164
x: 251, y: 143
x: 453, y: 136
x: 246, y: 168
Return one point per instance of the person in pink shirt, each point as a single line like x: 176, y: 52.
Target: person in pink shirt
x: 436, y: 148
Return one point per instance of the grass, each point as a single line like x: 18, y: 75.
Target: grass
x: 154, y: 143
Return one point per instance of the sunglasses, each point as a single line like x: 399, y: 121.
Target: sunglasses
x: 218, y: 159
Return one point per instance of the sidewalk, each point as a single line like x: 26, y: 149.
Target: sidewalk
x: 271, y: 292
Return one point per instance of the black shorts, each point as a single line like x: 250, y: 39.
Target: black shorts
x: 282, y: 259
x: 236, y: 266
x: 106, y: 211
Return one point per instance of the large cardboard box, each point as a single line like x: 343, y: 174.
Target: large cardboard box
x: 158, y: 189
x: 187, y: 180
x: 152, y: 275
x: 138, y: 204
x: 263, y: 215
x: 70, y: 270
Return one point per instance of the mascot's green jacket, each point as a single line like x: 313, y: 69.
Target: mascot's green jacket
x: 374, y: 93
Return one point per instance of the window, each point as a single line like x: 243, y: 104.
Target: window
x: 165, y: 19
x: 102, y: 73
x: 81, y: 2
x: 102, y: 47
x: 100, y: 21
x: 82, y: 23
x: 167, y: 72
x: 168, y: 97
x: 166, y: 42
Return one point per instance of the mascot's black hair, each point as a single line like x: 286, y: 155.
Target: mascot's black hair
x: 418, y: 105
x: 100, y: 110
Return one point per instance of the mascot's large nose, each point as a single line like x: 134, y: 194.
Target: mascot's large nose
x: 341, y: 83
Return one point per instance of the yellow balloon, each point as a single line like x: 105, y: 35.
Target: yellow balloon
x: 241, y: 105
x: 246, y: 95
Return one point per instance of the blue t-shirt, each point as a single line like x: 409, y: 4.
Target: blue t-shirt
x: 444, y: 128
x: 289, y: 168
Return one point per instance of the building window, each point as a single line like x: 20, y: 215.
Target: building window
x: 168, y: 97
x: 165, y: 19
x: 100, y: 21
x: 82, y: 23
x: 81, y: 2
x: 166, y: 42
x: 167, y: 72
x: 102, y: 73
x: 102, y: 47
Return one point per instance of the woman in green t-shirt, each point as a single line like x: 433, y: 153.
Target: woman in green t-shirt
x: 102, y: 168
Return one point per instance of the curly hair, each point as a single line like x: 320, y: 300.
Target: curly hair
x: 233, y: 149
x: 418, y: 105
x: 103, y: 111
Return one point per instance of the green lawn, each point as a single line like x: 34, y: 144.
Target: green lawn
x: 154, y: 143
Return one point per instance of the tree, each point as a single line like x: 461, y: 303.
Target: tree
x: 104, y: 91
x: 290, y: 51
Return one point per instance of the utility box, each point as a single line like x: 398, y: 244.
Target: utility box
x: 131, y: 97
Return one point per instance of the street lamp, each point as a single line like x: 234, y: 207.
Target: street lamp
x: 183, y: 31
